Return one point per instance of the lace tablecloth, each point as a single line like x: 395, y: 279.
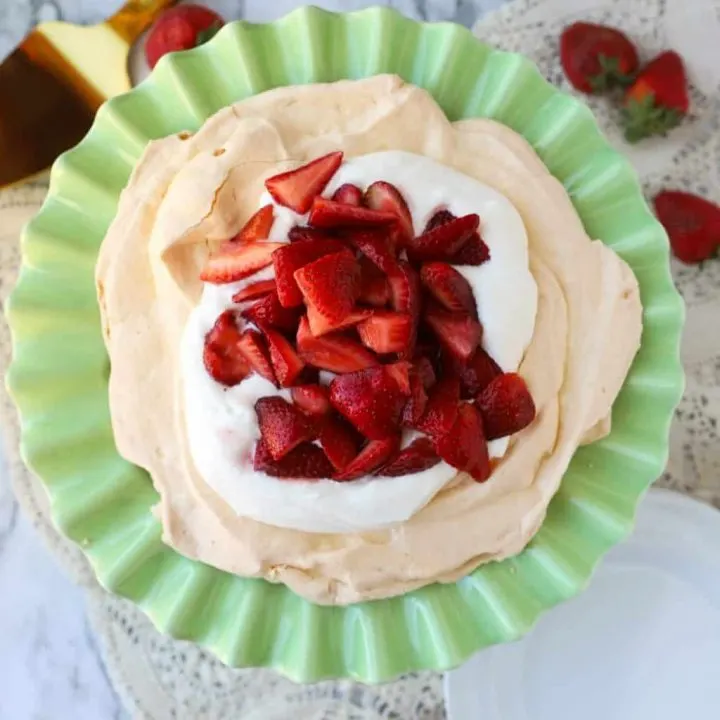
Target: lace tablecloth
x: 160, y: 678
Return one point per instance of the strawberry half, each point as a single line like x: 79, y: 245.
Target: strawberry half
x: 306, y: 461
x: 234, y: 261
x: 282, y: 426
x: 257, y: 227
x: 221, y: 354
x: 458, y: 333
x: 658, y: 100
x: 254, y: 349
x: 506, y: 406
x: 475, y: 374
x: 330, y: 214
x: 286, y: 362
x: 386, y: 332
x: 375, y: 454
x: 374, y: 285
x: 293, y: 256
x: 334, y: 352
x: 443, y: 241
x: 464, y: 446
x: 596, y: 57
x: 267, y: 311
x: 449, y: 287
x: 371, y: 400
x: 340, y: 442
x: 416, y: 457
x: 376, y: 246
x: 387, y: 198
x: 256, y: 290
x: 320, y: 325
x: 312, y: 399
x: 300, y: 233
x: 349, y: 194
x: 692, y: 224
x: 330, y: 285
x: 442, y: 408
x: 473, y: 252
x: 417, y: 402
x: 438, y: 218
x: 298, y: 188
x: 405, y: 298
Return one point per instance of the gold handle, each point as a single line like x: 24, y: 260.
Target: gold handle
x: 135, y: 16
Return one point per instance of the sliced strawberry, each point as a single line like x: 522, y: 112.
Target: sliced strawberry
x: 374, y: 285
x: 334, y: 352
x: 458, y: 332
x: 298, y: 188
x: 400, y: 372
x: 349, y: 194
x: 254, y: 348
x: 416, y: 457
x: 256, y: 290
x: 417, y: 402
x: 306, y: 461
x: 375, y: 454
x: 506, y: 406
x: 320, y: 325
x: 340, y: 442
x: 439, y: 218
x: 449, y: 287
x: 443, y: 241
x: 464, y: 446
x: 330, y: 285
x: 234, y: 261
x: 282, y: 426
x: 371, y: 400
x: 293, y: 256
x: 257, y: 227
x: 405, y: 295
x: 386, y: 331
x: 387, y: 198
x: 442, y: 407
x: 330, y: 214
x: 269, y: 312
x: 312, y: 399
x: 377, y: 246
x: 692, y: 224
x: 475, y: 374
x: 473, y: 252
x: 426, y: 371
x: 286, y: 362
x: 221, y: 354
x: 300, y: 233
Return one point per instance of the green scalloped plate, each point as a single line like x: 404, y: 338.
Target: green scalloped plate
x: 59, y: 373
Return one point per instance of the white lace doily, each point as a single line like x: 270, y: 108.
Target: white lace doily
x: 160, y: 678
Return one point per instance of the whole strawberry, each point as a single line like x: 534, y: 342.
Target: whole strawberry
x: 658, y: 99
x: 692, y: 224
x: 596, y: 57
x: 180, y: 28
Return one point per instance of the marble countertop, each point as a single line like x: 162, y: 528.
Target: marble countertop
x: 50, y: 666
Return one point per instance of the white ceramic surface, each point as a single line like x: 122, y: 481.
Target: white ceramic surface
x: 642, y: 643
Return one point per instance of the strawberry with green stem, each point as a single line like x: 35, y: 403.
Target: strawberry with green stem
x: 596, y: 58
x: 658, y: 99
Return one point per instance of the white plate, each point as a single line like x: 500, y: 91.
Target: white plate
x: 641, y: 643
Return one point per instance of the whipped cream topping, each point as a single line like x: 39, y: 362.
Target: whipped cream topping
x: 221, y: 422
